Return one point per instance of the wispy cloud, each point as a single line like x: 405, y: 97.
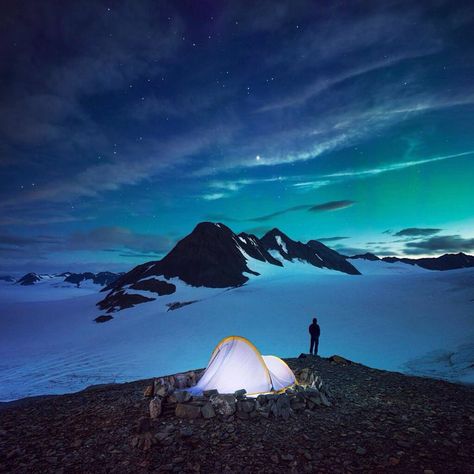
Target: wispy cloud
x: 395, y: 166
x: 330, y: 239
x: 331, y: 206
x: 417, y: 232
x: 322, y: 207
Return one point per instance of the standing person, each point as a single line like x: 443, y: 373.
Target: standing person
x: 314, y: 331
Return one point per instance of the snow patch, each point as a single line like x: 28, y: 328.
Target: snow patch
x: 281, y: 244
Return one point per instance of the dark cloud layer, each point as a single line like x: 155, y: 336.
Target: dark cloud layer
x: 417, y: 232
x: 331, y: 239
x: 440, y: 244
x: 331, y: 206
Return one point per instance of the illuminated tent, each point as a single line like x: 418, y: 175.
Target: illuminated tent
x: 236, y: 363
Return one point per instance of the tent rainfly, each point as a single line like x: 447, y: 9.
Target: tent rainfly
x: 236, y: 363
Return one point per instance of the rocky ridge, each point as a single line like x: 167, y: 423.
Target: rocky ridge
x: 379, y: 422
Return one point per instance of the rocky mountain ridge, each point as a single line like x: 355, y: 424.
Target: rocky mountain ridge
x: 448, y: 261
x: 32, y: 278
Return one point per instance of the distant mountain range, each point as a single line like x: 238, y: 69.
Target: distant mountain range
x: 213, y: 256
x: 100, y: 278
x: 448, y: 261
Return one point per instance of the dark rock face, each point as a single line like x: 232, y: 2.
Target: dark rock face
x: 101, y: 278
x: 254, y: 248
x: 447, y: 261
x: 367, y: 256
x: 179, y: 304
x: 215, y: 257
x: 207, y: 257
x: 314, y: 252
x: 156, y: 286
x: 210, y: 256
x: 29, y: 279
x: 117, y: 301
x: 103, y: 319
x: 333, y: 259
x: 76, y: 278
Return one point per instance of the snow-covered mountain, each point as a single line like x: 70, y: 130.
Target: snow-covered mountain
x: 213, y: 256
x: 56, y: 280
x: 314, y: 252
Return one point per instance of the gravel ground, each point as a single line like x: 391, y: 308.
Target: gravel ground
x: 379, y: 422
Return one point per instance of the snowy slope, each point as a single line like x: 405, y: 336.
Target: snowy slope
x: 393, y: 316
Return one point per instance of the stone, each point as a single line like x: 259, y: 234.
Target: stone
x: 187, y: 411
x: 155, y: 407
x: 143, y: 425
x: 240, y: 393
x: 246, y: 405
x: 182, y: 396
x: 209, y: 393
x: 223, y: 404
x: 281, y: 408
x: 339, y: 360
x: 148, y: 392
x: 208, y: 411
x: 186, y: 432
x: 162, y: 388
x: 325, y: 400
x: 261, y: 401
x: 181, y: 381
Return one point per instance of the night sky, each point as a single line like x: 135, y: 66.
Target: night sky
x: 123, y: 124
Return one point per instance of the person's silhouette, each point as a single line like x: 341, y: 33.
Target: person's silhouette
x: 314, y: 331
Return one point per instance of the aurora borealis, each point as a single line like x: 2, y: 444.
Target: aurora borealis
x: 123, y: 124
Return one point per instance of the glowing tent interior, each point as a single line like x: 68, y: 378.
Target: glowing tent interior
x: 236, y: 363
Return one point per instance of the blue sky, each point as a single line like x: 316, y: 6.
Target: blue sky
x: 123, y: 124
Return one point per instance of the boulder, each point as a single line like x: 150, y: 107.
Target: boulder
x: 208, y: 411
x: 339, y: 360
x: 181, y: 396
x: 148, y: 392
x: 155, y: 407
x: 181, y: 380
x: 224, y: 404
x: 240, y: 393
x: 325, y: 401
x: 187, y: 411
x: 281, y: 408
x: 246, y: 406
x: 163, y: 387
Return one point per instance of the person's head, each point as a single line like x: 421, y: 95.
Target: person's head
x: 315, y: 320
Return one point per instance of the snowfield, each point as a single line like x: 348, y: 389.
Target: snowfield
x: 393, y: 316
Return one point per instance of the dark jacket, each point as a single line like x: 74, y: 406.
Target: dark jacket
x: 314, y: 330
